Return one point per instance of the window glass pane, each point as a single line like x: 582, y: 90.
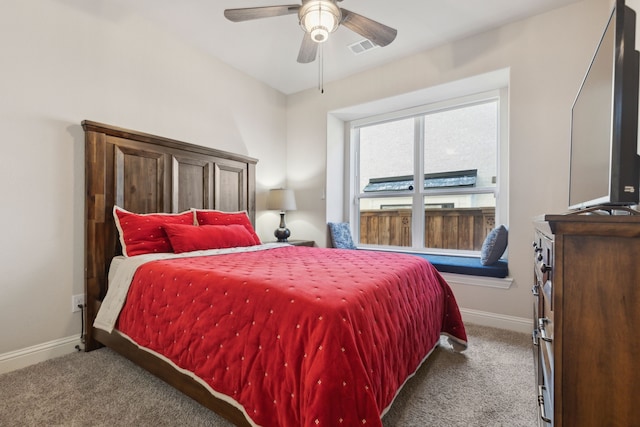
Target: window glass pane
x: 385, y: 221
x: 386, y: 150
x: 459, y: 228
x: 463, y: 138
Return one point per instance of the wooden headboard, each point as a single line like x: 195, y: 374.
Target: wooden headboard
x: 144, y: 173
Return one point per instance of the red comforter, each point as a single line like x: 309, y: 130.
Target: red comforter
x: 297, y: 336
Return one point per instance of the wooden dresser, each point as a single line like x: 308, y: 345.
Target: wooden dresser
x: 587, y: 319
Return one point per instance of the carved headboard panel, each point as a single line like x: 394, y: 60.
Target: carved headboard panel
x: 145, y: 173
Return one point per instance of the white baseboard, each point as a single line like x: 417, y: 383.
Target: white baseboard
x: 38, y: 353
x: 500, y: 321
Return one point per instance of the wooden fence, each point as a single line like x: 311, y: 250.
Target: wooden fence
x: 446, y: 228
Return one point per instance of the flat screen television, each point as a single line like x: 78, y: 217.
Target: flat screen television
x: 604, y: 121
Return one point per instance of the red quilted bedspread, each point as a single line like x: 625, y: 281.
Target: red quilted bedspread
x: 297, y: 336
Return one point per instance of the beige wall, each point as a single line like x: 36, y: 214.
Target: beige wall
x: 66, y: 61
x: 546, y: 55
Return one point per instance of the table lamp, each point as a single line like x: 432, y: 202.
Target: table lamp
x: 283, y: 200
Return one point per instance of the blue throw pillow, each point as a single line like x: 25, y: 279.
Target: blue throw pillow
x: 494, y: 245
x: 341, y: 235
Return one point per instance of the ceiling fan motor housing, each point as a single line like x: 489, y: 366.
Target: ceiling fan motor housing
x: 319, y: 18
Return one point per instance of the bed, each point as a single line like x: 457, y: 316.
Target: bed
x: 261, y: 333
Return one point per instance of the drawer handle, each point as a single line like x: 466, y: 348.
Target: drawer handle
x: 544, y: 268
x: 543, y: 335
x: 543, y: 415
x: 535, y: 290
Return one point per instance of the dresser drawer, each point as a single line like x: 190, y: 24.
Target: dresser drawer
x: 543, y: 259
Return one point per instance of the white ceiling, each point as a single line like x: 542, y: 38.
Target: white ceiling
x: 267, y: 49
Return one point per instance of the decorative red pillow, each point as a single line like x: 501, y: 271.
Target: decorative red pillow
x: 187, y: 238
x: 213, y: 217
x: 144, y: 233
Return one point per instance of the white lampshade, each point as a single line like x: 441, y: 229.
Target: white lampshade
x: 281, y: 199
x: 319, y: 18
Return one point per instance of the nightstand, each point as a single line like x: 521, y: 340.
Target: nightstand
x: 301, y: 242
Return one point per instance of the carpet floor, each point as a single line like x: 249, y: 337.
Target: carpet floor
x: 490, y: 384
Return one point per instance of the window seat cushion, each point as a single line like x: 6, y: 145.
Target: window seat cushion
x: 466, y: 265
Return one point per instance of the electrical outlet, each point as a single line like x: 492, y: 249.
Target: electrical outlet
x: 77, y: 300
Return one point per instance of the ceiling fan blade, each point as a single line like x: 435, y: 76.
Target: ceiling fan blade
x: 308, y: 50
x: 248, y: 13
x: 368, y: 28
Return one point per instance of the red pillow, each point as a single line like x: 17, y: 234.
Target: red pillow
x: 143, y: 233
x: 212, y: 217
x: 187, y: 238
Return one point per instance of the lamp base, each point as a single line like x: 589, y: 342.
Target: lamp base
x: 282, y: 233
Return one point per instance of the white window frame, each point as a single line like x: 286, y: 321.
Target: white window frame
x: 418, y: 194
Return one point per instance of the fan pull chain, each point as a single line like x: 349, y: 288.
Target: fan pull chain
x: 321, y: 69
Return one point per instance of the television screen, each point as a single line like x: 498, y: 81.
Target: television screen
x: 592, y: 127
x: 604, y: 120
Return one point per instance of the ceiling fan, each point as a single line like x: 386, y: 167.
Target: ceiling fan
x: 318, y: 18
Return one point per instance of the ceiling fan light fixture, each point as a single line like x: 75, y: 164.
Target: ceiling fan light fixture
x: 319, y: 34
x: 319, y: 18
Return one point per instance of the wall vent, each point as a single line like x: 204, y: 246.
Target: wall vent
x: 362, y: 46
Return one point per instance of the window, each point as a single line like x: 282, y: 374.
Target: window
x: 428, y: 179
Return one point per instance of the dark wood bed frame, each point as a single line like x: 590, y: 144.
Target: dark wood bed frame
x: 145, y: 173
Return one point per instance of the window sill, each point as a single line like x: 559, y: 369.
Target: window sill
x: 469, y: 280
